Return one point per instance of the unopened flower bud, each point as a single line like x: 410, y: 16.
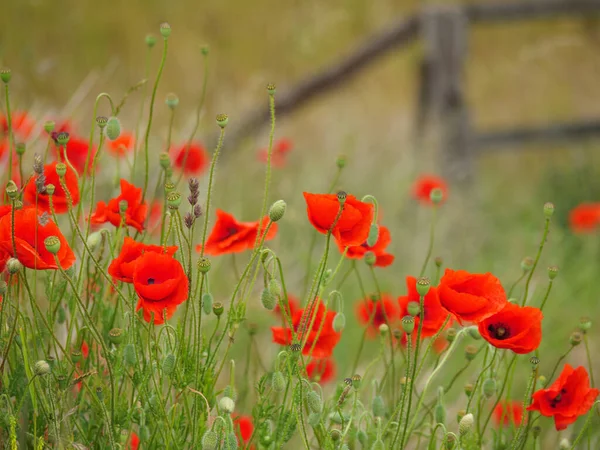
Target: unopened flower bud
x: 470, y: 352
x: 552, y: 272
x: 12, y: 190
x: 460, y: 414
x: 168, y: 364
x: 384, y: 329
x: 150, y: 40
x: 49, y: 126
x: 207, y: 302
x: 113, y: 128
x: 61, y: 169
x: 94, y: 239
x: 52, y: 244
x: 373, y: 235
x: 474, y: 332
x: 408, y: 324
x: 3, y: 287
x: 438, y: 261
x: 564, y: 444
x: 315, y: 404
x: 210, y: 439
x: 165, y: 30
x: 341, y: 161
x: 548, y: 209
x: 278, y: 381
x: 527, y: 264
x: 469, y: 389
x: 20, y: 148
x: 227, y: 405
x: 172, y: 101
x: 585, y: 323
x: 222, y: 120
x: 439, y: 413
x: 575, y: 338
x: 466, y: 424
x: 277, y: 210
x: 339, y: 322
x: 41, y: 368
x: 413, y: 308
x: 267, y: 299
x: 164, y: 160
x: 489, y: 387
x: 542, y: 380
x: 123, y: 205
x: 378, y: 406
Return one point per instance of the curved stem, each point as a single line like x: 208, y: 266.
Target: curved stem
x: 537, y: 259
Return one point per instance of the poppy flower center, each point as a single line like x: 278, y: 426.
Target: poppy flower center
x: 556, y: 400
x: 151, y: 281
x: 231, y: 231
x: 499, y: 331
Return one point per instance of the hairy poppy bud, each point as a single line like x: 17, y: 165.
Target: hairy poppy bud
x: 5, y: 75
x: 370, y: 258
x: 413, y: 308
x: 41, y: 368
x: 278, y: 381
x: 466, y: 424
x: 222, y: 120
x: 61, y: 169
x: 470, y: 352
x: 339, y: 322
x: 552, y: 272
x: 62, y: 138
x: 527, y: 264
x: 94, y: 240
x: 373, y: 235
x: 20, y: 148
x: 227, y: 405
x: 168, y: 365
x: 13, y: 265
x: 230, y: 392
x: 585, y: 323
x: 575, y: 338
x: 204, y: 265
x: 150, y: 40
x: 210, y: 440
x: 363, y: 438
x: 423, y: 286
x: 50, y: 189
x: 474, y: 332
x: 469, y: 389
x: 218, y: 309
x: 542, y: 380
x: 548, y: 209
x: 173, y: 200
x: 384, y: 329
x: 436, y: 195
x: 314, y: 402
x: 271, y: 88
x: 52, y: 244
x: 564, y: 444
x: 115, y: 335
x: 113, y: 128
x: 439, y: 413
x: 275, y: 287
x: 277, y: 210
x: 408, y: 324
x: 267, y: 299
x: 12, y: 190
x: 489, y: 387
x: 378, y: 406
x: 207, y: 302
x: 129, y: 354
x: 172, y: 101
x: 165, y: 30
x: 438, y: 261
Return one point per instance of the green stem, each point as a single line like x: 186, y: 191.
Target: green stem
x: 537, y: 259
x: 431, y: 241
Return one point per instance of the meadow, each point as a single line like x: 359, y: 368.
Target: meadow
x: 317, y: 285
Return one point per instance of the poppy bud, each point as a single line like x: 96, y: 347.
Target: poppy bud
x: 271, y: 89
x: 370, y: 258
x: 61, y: 169
x: 384, y: 329
x: 20, y: 148
x: 527, y: 264
x: 13, y: 266
x: 123, y: 206
x: 341, y: 196
x: 474, y: 332
x: 49, y: 126
x: 173, y: 200
x: 218, y: 309
x: 267, y: 299
x: 436, y: 196
x: 205, y: 50
x: 466, y: 424
x: 231, y: 442
x: 144, y: 434
x: 61, y: 315
x: 12, y: 190
x: 62, y: 138
x: 378, y: 406
x: 423, y: 285
x: 172, y: 101
x: 339, y: 322
x: 450, y: 334
x: 552, y: 272
x: 542, y: 380
x: 63, y: 382
x: 5, y: 75
x: 408, y: 324
x: 489, y: 387
x: 227, y: 405
x: 129, y: 354
x: 585, y: 323
x: 207, y: 302
x: 168, y: 365
x: 356, y: 381
x: 94, y: 240
x: 165, y: 30
x: 204, y: 265
x: 3, y: 287
x: 113, y: 128
x: 18, y: 204
x: 222, y: 120
x: 50, y: 189
x: 564, y: 444
x: 278, y: 381
x: 315, y: 404
x: 439, y: 413
x: 277, y: 210
x: 363, y: 438
x: 41, y: 368
x: 548, y: 209
x: 438, y: 261
x: 373, y: 235
x: 575, y: 338
x: 470, y: 352
x: 164, y: 160
x: 413, y: 308
x: 52, y: 244
x: 449, y: 441
x: 335, y: 434
x: 100, y: 393
x: 469, y: 389
x: 76, y: 355
x: 210, y: 440
x: 115, y: 335
x: 275, y: 287
x: 150, y: 40
x: 341, y: 161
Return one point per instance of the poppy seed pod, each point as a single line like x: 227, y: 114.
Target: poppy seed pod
x: 50, y: 188
x: 423, y: 286
x: 342, y: 196
x: 384, y: 329
x: 20, y: 148
x: 52, y: 244
x: 408, y: 324
x: 5, y: 75
x: 207, y: 303
x: 210, y: 440
x: 164, y: 160
x: 172, y: 101
x: 13, y: 266
x: 169, y: 187
x: 489, y: 387
x: 271, y: 89
x: 356, y: 381
x: 41, y: 368
x: 341, y: 161
x: 49, y: 126
x: 436, y: 196
x: 527, y: 264
x: 585, y: 323
x: 438, y: 261
x: 548, y: 209
x: 150, y: 40
x: 113, y: 128
x: 222, y: 120
x: 552, y: 272
x: 3, y: 287
x: 370, y: 258
x: 76, y: 355
x: 204, y: 265
x: 575, y: 338
x: 277, y: 210
x: 12, y: 190
x: 123, y: 204
x: 470, y: 352
x: 205, y: 50
x: 62, y: 138
x: 61, y: 169
x: 165, y: 30
x: 466, y: 424
x: 218, y: 309
x: 101, y: 121
x: 227, y: 405
x: 413, y: 308
x: 339, y: 322
x: 173, y: 200
x: 469, y: 387
x: 115, y: 335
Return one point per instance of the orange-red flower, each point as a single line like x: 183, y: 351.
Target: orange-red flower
x: 585, y: 218
x: 514, y: 328
x: 135, y: 441
x: 230, y: 236
x: 569, y: 397
x: 192, y: 159
x: 30, y: 231
x: 121, y: 145
x: 293, y: 305
x: 321, y: 370
x: 353, y: 225
x: 136, y: 211
x: 280, y: 150
x: 423, y: 186
x: 374, y: 312
x: 243, y: 427
x: 78, y: 152
x: 123, y: 266
x: 471, y: 297
x: 382, y: 259
x: 161, y: 285
x: 508, y: 411
x: 323, y: 341
x: 434, y: 315
x: 59, y: 198
x: 21, y: 126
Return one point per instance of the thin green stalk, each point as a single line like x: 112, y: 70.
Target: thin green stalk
x: 11, y: 137
x: 514, y: 285
x: 499, y: 397
x: 588, y: 420
x: 537, y: 259
x: 547, y: 295
x: 141, y: 113
x: 431, y: 241
x: 589, y: 359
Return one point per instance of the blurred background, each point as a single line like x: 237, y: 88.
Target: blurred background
x: 505, y: 75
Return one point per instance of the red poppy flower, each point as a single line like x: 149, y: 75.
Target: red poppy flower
x: 585, y: 218
x: 324, y: 341
x: 383, y: 310
x: 85, y: 349
x: 192, y: 159
x: 514, y: 328
x: 382, y: 259
x: 31, y: 230
x: 21, y: 125
x: 77, y: 152
x: 353, y: 225
x: 230, y: 236
x: 136, y: 211
x: 434, y: 315
x: 121, y: 145
x: 243, y: 427
x: 280, y: 150
x: 59, y: 198
x: 471, y: 297
x: 508, y: 411
x: 161, y: 284
x: 569, y: 397
x: 123, y: 266
x: 135, y: 441
x: 423, y: 186
x: 321, y: 370
x: 293, y: 305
